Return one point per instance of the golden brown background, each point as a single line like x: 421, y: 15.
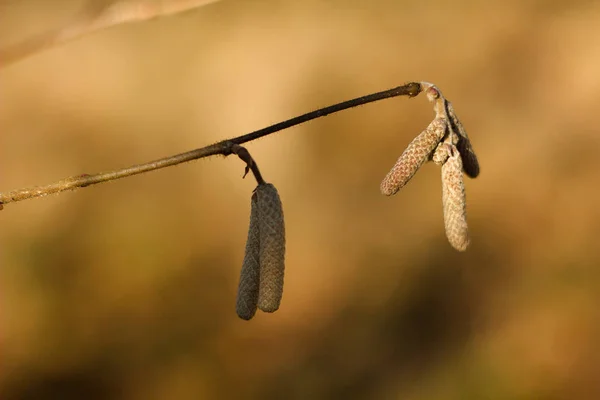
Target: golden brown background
x: 126, y: 290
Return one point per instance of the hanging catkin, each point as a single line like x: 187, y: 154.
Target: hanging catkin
x: 247, y: 295
x: 272, y: 247
x: 417, y: 152
x: 454, y: 201
x: 467, y: 154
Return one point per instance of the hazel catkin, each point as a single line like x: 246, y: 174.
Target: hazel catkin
x: 454, y: 200
x: 467, y: 154
x: 415, y: 155
x: 247, y: 295
x: 272, y: 247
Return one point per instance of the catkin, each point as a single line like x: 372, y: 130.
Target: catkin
x: 415, y: 154
x: 440, y: 154
x: 454, y: 201
x: 272, y: 247
x: 247, y: 295
x: 469, y: 159
x: 467, y: 154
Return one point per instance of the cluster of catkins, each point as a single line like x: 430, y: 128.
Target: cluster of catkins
x: 445, y: 142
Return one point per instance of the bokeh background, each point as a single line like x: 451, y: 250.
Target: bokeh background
x: 126, y: 290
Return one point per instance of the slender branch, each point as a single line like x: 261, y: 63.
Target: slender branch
x: 225, y: 148
x: 95, y: 17
x: 410, y: 89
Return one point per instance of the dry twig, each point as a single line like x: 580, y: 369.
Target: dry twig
x: 94, y: 17
x: 224, y: 148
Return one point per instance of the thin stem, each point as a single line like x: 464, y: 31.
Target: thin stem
x: 225, y: 148
x: 245, y: 156
x: 94, y: 17
x: 410, y: 89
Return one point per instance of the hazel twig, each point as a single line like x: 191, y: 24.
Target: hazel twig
x: 224, y: 148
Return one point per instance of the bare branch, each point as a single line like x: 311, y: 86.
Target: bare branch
x: 225, y: 148
x: 96, y: 17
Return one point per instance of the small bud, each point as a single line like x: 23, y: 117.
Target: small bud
x: 415, y: 155
x: 432, y: 93
x: 272, y: 247
x: 247, y: 295
x: 454, y: 200
x: 435, y: 96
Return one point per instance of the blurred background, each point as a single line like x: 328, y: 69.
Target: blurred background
x: 127, y: 290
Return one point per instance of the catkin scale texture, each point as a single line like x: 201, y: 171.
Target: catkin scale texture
x: 440, y: 154
x: 415, y: 155
x: 454, y: 201
x: 247, y: 295
x: 272, y: 247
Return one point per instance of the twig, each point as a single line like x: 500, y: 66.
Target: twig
x: 225, y: 148
x: 94, y: 18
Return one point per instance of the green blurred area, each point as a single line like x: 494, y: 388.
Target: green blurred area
x: 126, y: 290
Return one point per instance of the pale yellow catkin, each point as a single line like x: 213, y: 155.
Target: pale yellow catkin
x: 247, y: 295
x: 415, y: 155
x: 272, y: 247
x: 454, y: 200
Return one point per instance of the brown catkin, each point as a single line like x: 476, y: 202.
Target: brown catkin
x: 454, y: 201
x: 272, y: 247
x: 247, y: 295
x: 467, y: 154
x: 415, y: 155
